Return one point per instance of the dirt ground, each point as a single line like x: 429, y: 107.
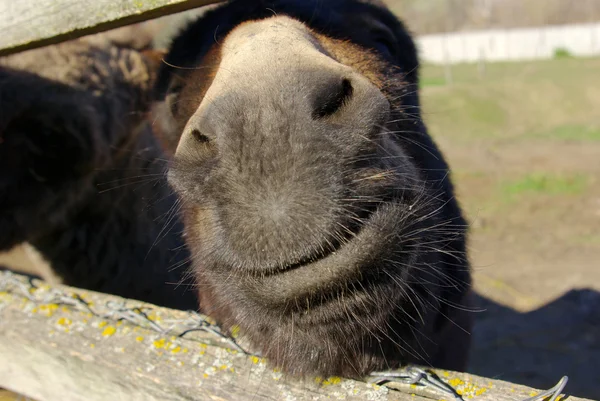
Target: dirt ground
x: 524, y: 144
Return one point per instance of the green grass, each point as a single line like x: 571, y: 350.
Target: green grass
x: 562, y: 53
x: 545, y: 184
x: 591, y: 239
x: 511, y: 124
x: 432, y: 81
x: 571, y: 132
x: 464, y: 112
x: 558, y: 98
x: 559, y: 70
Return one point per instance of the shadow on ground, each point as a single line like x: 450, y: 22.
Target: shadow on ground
x: 539, y: 347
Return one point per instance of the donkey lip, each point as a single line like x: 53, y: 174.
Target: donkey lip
x: 335, y: 244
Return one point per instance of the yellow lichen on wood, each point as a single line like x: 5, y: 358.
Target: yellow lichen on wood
x: 166, y: 367
x: 467, y: 389
x: 332, y: 380
x: 235, y: 331
x: 109, y: 331
x: 48, y: 309
x: 154, y: 317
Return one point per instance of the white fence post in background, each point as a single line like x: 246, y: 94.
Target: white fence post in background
x: 481, y: 64
x: 447, y: 61
x: 509, y: 45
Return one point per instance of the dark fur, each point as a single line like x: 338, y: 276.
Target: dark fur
x: 74, y: 149
x: 355, y: 274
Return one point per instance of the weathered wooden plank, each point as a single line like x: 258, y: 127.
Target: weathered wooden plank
x: 51, y: 351
x: 27, y: 24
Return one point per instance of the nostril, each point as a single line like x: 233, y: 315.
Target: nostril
x: 332, y: 98
x: 200, y: 137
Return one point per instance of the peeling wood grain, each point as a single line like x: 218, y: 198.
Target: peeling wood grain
x: 52, y: 351
x: 27, y: 24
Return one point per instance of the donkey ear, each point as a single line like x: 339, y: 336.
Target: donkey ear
x: 404, y: 49
x: 383, y: 31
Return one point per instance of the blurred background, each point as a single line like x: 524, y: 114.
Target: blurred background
x: 435, y: 16
x: 511, y: 93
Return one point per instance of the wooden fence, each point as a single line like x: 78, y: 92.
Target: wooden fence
x: 64, y: 343
x: 27, y: 24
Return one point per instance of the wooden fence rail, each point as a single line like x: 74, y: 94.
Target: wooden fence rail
x: 65, y: 343
x: 27, y: 24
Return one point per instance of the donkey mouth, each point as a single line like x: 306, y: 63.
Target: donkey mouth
x: 347, y: 231
x: 342, y: 264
